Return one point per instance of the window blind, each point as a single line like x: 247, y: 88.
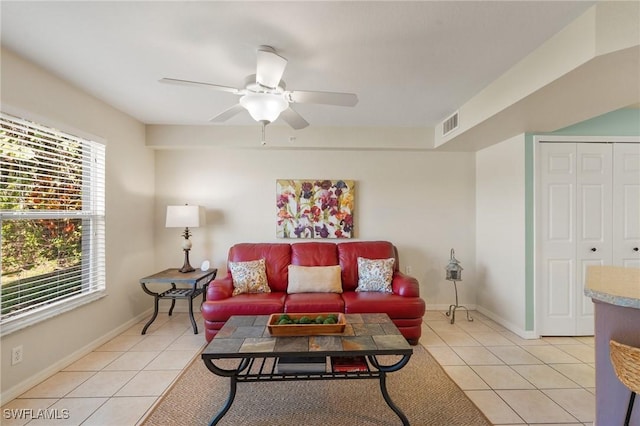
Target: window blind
x: 52, y: 212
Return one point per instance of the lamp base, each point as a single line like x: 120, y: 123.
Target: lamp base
x: 186, y: 267
x: 452, y: 308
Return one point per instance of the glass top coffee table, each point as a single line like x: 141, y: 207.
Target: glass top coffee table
x: 247, y: 339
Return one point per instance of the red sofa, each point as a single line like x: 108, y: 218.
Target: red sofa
x: 404, y: 306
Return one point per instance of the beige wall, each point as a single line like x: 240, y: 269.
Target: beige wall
x: 421, y: 201
x: 50, y: 345
x: 500, y: 237
x: 587, y: 69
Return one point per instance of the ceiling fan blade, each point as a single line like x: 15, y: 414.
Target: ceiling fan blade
x: 227, y: 114
x: 293, y: 119
x: 270, y: 67
x: 327, y: 98
x: 199, y: 83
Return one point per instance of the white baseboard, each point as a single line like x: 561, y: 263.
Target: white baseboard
x: 52, y: 369
x: 508, y: 325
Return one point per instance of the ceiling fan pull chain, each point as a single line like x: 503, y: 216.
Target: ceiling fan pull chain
x: 264, y: 124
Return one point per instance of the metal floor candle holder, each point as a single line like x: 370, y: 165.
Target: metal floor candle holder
x: 452, y: 308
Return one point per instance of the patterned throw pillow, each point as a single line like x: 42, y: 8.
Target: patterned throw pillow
x: 375, y: 275
x: 249, y: 277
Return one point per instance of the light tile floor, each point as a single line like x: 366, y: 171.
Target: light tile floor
x: 118, y: 383
x: 515, y: 381
x: 512, y: 380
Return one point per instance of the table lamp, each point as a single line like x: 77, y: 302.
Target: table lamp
x: 454, y: 273
x: 184, y: 216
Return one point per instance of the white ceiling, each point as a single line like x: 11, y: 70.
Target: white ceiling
x: 410, y: 63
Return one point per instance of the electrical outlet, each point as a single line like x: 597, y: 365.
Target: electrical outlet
x: 408, y: 270
x: 16, y: 355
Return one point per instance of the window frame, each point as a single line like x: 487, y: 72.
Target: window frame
x: 93, y: 279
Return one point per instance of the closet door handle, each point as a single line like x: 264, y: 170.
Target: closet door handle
x: 635, y: 249
x: 594, y: 249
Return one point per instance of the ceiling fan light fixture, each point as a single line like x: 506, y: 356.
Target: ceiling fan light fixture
x: 264, y: 93
x: 264, y: 106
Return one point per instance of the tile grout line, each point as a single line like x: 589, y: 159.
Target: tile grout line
x: 547, y: 342
x: 438, y: 332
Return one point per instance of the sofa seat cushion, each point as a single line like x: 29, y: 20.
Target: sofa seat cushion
x: 244, y: 304
x: 375, y: 302
x: 313, y: 302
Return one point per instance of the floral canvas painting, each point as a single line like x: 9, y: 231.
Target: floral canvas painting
x: 314, y: 208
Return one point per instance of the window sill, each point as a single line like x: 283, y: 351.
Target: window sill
x: 47, y: 312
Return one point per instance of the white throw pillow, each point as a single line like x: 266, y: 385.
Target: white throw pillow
x: 314, y: 279
x: 249, y: 277
x: 375, y: 274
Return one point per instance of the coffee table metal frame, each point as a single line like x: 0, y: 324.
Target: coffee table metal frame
x: 255, y: 367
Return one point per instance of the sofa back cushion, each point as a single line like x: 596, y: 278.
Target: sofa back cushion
x: 348, y: 254
x: 277, y: 258
x: 314, y: 254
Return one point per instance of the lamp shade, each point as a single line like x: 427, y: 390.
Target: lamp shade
x: 264, y: 106
x: 183, y: 217
x: 454, y: 270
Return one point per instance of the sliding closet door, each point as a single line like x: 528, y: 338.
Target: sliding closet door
x: 594, y: 180
x: 626, y: 205
x: 557, y: 238
x: 574, y: 231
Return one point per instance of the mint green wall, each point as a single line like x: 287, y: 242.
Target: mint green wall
x: 529, y: 216
x: 622, y: 122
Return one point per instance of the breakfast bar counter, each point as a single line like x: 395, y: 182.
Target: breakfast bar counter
x: 615, y: 292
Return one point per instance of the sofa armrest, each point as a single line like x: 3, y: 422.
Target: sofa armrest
x: 405, y: 285
x: 221, y: 288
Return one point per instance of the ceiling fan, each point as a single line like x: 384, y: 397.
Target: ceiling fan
x: 265, y: 96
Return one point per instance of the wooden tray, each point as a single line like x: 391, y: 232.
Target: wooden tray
x: 306, y: 329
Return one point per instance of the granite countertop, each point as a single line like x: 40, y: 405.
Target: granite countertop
x: 614, y: 285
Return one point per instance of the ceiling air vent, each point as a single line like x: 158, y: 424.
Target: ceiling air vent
x: 450, y: 124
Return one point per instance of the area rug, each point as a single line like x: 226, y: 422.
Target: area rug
x: 422, y: 390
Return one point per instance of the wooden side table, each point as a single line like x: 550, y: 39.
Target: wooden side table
x: 173, y: 277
